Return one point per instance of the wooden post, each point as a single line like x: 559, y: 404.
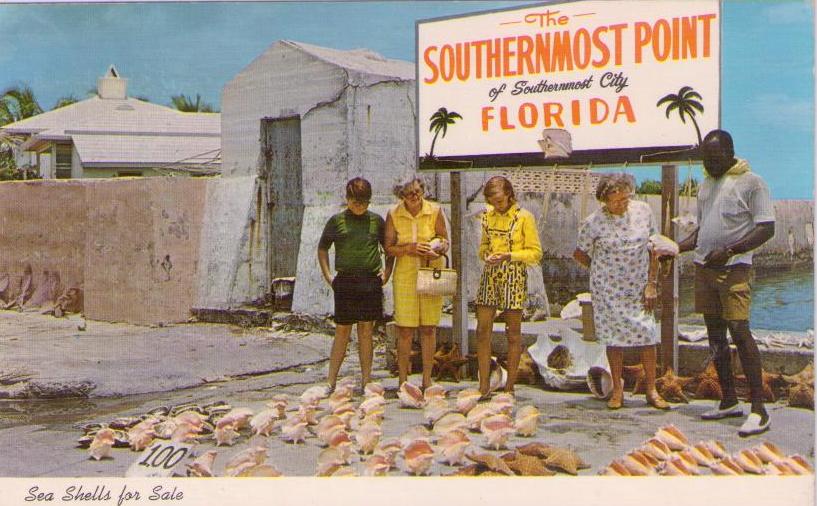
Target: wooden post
x: 458, y: 245
x: 669, y: 284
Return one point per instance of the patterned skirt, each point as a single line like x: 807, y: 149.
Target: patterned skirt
x: 503, y: 286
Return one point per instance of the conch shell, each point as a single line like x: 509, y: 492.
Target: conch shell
x: 769, y: 452
x: 327, y: 425
x: 748, y: 461
x: 202, y: 467
x: 453, y: 454
x: 615, y: 468
x: 716, y: 448
x: 415, y: 432
x: 293, y: 430
x: 410, y: 396
x: 184, y: 432
x: 467, y: 399
x: 264, y: 422
x: 798, y: 464
x: 418, y: 457
x: 475, y: 416
x: 191, y: 418
x: 140, y: 437
x: 680, y: 466
x: 245, y: 459
x: 307, y: 413
x: 435, y: 409
x: 657, y: 448
x: 497, y: 429
x: 260, y: 471
x: 526, y: 421
x: 503, y: 403
x: 101, y: 445
x: 225, y: 435
x: 702, y: 455
x: 672, y: 437
x: 377, y: 465
x: 434, y: 391
x: 388, y: 449
x: 449, y: 422
x: 279, y: 403
x: 237, y: 417
x: 373, y: 403
x: 329, y: 460
x: 638, y: 464
x: 367, y: 437
x: 374, y: 389
x: 313, y: 395
x: 726, y: 467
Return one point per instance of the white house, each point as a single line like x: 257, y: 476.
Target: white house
x: 112, y: 135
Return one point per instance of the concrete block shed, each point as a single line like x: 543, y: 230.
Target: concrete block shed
x: 297, y: 123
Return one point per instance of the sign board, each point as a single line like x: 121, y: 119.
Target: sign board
x: 159, y: 460
x: 582, y: 82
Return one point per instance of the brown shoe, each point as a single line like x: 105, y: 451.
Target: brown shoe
x: 656, y: 401
x: 616, y: 400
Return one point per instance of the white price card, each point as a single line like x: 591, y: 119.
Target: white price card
x: 159, y: 460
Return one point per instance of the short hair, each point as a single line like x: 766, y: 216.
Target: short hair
x: 499, y: 184
x: 401, y: 190
x: 609, y: 183
x: 724, y: 140
x: 359, y: 189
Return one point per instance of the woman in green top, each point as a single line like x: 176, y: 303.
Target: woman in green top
x: 358, y: 236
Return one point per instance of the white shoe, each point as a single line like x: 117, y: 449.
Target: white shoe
x: 753, y: 425
x: 717, y: 413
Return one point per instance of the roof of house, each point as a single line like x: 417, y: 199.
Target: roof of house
x: 366, y: 65
x: 124, y: 131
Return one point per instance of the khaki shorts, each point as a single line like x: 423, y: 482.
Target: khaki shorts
x: 725, y: 292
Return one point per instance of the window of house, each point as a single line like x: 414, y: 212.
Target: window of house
x: 63, y: 161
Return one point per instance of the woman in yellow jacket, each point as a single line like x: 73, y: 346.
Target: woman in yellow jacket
x: 416, y: 235
x: 509, y: 244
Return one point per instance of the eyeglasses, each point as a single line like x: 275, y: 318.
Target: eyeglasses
x: 412, y: 194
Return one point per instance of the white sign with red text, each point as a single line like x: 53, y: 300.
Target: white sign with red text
x: 595, y: 69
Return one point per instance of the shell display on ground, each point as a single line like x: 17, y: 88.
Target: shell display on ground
x: 467, y: 399
x: 410, y: 396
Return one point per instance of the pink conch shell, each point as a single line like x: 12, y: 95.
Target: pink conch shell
x: 503, y: 403
x: 336, y: 401
x: 329, y: 460
x: 237, y: 417
x: 454, y: 454
x: 467, y: 399
x: 279, y: 403
x: 497, y: 429
x: 415, y: 432
x: 778, y: 469
x: 202, y: 467
x: 418, y: 457
x: 184, y: 433
x: 702, y: 455
x: 475, y: 416
x: 313, y: 395
x: 339, y: 437
x: 101, y: 445
x: 374, y: 416
x: 637, y: 464
x: 264, y: 422
x: 527, y: 419
x: 140, y: 437
x: 678, y: 466
x: 748, y: 461
x: 726, y: 467
x: 435, y: 409
x: 367, y: 437
x: 225, y: 435
x: 343, y: 471
x: 261, y: 471
x: 307, y: 413
x: 374, y: 389
x: 453, y: 437
x: 372, y: 403
x: 449, y: 422
x: 616, y: 468
x: 716, y: 448
x: 293, y: 430
x: 434, y: 391
x: 327, y: 425
x: 657, y: 448
x: 165, y: 429
x: 245, y: 459
x: 689, y: 460
x: 377, y: 465
x: 389, y: 449
x: 410, y: 396
x: 191, y: 418
x: 672, y: 437
x: 769, y: 452
x: 798, y: 464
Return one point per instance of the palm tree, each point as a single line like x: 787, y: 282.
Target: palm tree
x: 17, y: 103
x: 439, y: 123
x: 186, y: 104
x: 66, y: 100
x: 686, y: 104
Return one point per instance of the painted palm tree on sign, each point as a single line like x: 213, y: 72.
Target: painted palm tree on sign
x: 686, y: 101
x: 186, y: 104
x: 439, y: 123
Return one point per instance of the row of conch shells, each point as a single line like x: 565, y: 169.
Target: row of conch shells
x: 670, y: 453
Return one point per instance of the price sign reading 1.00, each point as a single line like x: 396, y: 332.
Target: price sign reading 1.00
x: 159, y: 460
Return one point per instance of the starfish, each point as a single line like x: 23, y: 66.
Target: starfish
x: 536, y: 449
x: 526, y: 465
x: 412, y: 357
x: 635, y: 373
x: 527, y: 372
x: 492, y: 462
x: 470, y: 470
x: 448, y: 364
x: 708, y: 385
x: 564, y: 459
x: 801, y: 395
x: 671, y: 387
x: 806, y: 375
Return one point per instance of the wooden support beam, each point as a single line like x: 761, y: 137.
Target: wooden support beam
x: 669, y: 284
x: 458, y: 245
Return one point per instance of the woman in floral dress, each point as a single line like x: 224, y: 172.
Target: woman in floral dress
x: 614, y: 243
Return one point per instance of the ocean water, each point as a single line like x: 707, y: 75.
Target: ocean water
x: 781, y: 300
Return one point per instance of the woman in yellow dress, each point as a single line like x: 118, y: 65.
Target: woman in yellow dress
x: 509, y: 244
x: 416, y: 236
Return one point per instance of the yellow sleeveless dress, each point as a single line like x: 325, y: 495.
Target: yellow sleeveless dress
x: 410, y: 308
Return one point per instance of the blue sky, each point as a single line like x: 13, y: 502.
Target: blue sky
x: 170, y: 48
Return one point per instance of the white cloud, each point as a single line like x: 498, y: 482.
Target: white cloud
x: 781, y: 110
x: 789, y: 12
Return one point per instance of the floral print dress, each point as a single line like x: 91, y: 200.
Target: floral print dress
x: 618, y: 247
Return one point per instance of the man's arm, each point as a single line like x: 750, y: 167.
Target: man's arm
x: 689, y: 243
x: 323, y: 261
x: 753, y: 240
x: 582, y: 258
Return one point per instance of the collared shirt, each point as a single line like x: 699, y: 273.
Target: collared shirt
x: 728, y: 209
x: 513, y: 231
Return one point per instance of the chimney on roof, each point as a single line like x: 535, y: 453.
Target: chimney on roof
x: 111, y: 85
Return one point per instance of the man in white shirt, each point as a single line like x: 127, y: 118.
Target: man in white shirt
x: 735, y: 216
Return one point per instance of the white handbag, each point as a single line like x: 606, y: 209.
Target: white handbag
x: 437, y: 280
